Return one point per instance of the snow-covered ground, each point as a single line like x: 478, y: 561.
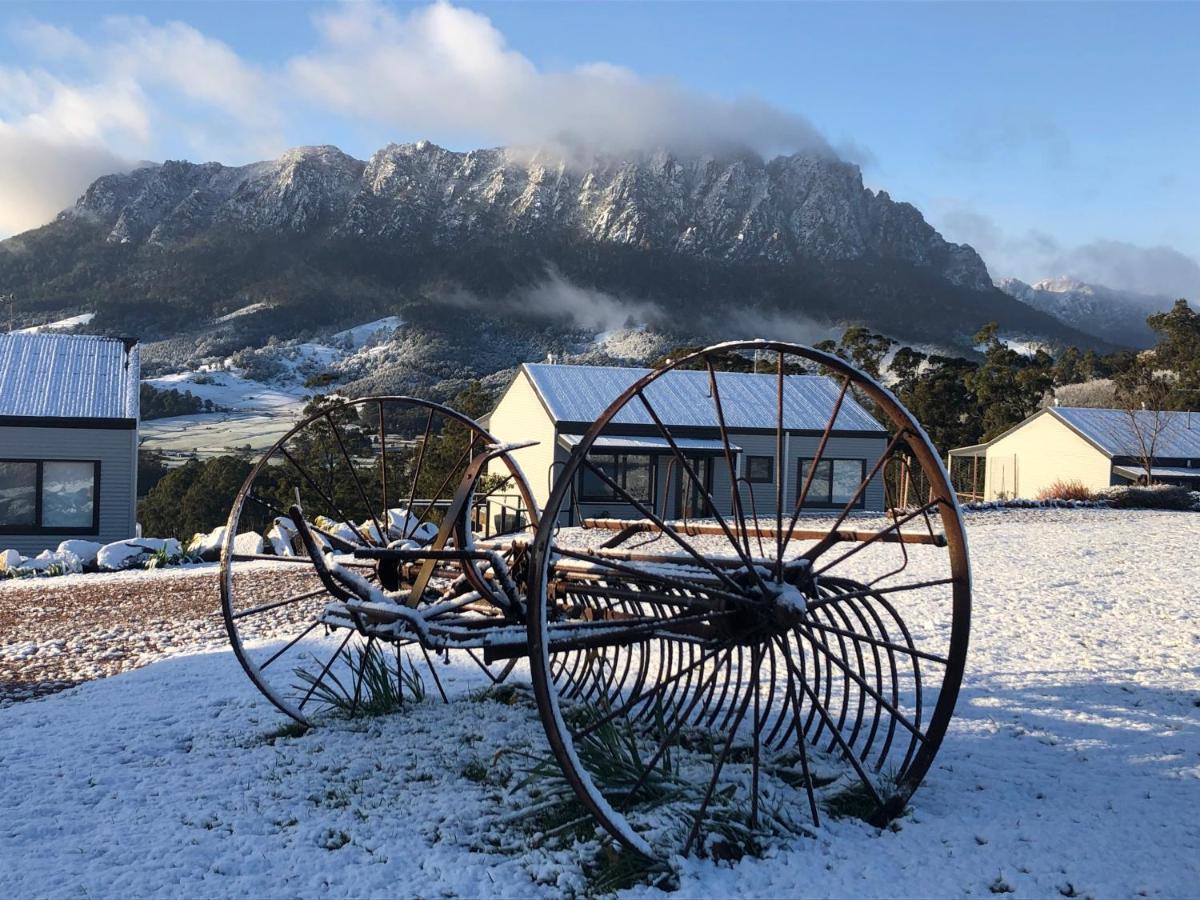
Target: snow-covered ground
x: 1072, y: 767
x: 60, y: 325
x: 256, y: 414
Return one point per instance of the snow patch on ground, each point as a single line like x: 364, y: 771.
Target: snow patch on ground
x: 1072, y: 766
x: 61, y: 325
x: 244, y: 311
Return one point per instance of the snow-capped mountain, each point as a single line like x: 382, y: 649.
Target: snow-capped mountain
x: 1113, y: 315
x: 497, y: 242
x: 738, y: 208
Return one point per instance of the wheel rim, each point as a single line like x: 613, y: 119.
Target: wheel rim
x: 858, y: 684
x: 351, y: 463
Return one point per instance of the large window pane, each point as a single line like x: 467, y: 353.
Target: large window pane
x: 819, y: 491
x: 18, y: 494
x: 591, y: 485
x: 68, y: 494
x: 847, y: 476
x: 639, y: 479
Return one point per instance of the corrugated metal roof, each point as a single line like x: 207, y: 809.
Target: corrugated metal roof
x: 68, y: 375
x: 1136, y: 472
x: 681, y: 398
x: 638, y: 442
x: 1114, y: 432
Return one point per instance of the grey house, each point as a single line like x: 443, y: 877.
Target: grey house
x: 555, y: 404
x: 68, y: 439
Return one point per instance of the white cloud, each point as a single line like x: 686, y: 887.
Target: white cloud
x: 1035, y: 255
x: 447, y: 71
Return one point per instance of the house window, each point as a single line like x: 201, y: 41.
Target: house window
x: 50, y: 495
x: 835, y: 481
x: 633, y: 472
x: 760, y: 469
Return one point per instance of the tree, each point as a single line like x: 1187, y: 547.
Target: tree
x: 865, y: 349
x: 1009, y: 386
x: 1178, y: 350
x: 194, y: 497
x: 1144, y: 395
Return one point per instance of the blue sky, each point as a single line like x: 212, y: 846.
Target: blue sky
x: 1056, y: 138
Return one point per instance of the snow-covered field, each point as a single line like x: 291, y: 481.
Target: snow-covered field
x: 1072, y: 767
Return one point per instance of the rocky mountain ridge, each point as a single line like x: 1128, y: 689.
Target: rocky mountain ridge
x: 1110, y: 314
x: 735, y: 208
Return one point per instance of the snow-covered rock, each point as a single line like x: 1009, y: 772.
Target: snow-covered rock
x: 249, y: 543
x: 122, y: 555
x: 402, y: 523
x: 283, y: 537
x: 207, y: 546
x: 85, y: 550
x: 9, y: 560
x: 337, y: 529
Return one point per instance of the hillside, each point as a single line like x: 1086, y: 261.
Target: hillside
x: 317, y: 240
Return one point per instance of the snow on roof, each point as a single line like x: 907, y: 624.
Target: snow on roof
x: 1158, y: 471
x: 68, y: 376
x: 681, y: 398
x: 1114, y: 432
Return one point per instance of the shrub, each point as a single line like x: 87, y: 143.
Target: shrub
x: 1066, y: 490
x: 1156, y: 496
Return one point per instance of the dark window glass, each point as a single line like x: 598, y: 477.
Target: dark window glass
x: 68, y: 494
x: 18, y: 494
x: 760, y: 469
x: 835, y: 481
x: 633, y: 473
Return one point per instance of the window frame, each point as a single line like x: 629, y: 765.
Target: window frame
x: 618, y: 476
x: 828, y: 502
x: 39, y: 501
x: 770, y: 458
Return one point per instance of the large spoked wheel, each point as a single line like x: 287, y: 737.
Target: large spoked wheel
x: 792, y: 650
x: 370, y: 473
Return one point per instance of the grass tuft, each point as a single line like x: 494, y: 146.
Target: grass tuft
x: 374, y: 687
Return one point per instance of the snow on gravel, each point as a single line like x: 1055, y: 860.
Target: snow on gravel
x: 1072, y: 766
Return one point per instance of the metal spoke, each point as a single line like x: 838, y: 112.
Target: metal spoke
x: 287, y: 601
x: 666, y: 529
x: 779, y: 461
x: 357, y: 481
x: 290, y: 644
x: 383, y: 473
x: 333, y: 507
x: 735, y: 493
x: 325, y: 670
x: 887, y: 645
x: 433, y: 672
x: 412, y: 492
x: 895, y: 526
x: 691, y: 473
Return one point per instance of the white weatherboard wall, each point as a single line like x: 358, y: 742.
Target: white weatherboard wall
x: 115, y: 448
x: 1039, y: 452
x: 520, y: 417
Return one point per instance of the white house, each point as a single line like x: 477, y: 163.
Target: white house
x: 555, y: 404
x: 1096, y: 447
x: 68, y: 439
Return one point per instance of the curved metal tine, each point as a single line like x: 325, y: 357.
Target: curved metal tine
x: 691, y: 473
x: 357, y: 481
x: 333, y: 507
x: 742, y: 479
x: 735, y: 493
x: 412, y: 491
x: 642, y: 696
x: 328, y: 665
x: 666, y: 529
x: 893, y: 513
x: 755, y: 663
x: 824, y: 648
x: 870, y: 592
x: 680, y: 721
x: 716, y: 776
x: 275, y: 604
x: 837, y: 736
x: 831, y: 537
x: 862, y: 545
x: 779, y: 463
x: 801, y: 741
x: 877, y: 642
x: 802, y: 495
x: 655, y: 577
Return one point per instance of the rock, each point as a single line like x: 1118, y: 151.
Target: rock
x: 207, y: 546
x: 249, y: 543
x: 9, y: 560
x: 122, y: 555
x: 85, y: 550
x: 402, y: 523
x: 337, y: 529
x: 283, y: 537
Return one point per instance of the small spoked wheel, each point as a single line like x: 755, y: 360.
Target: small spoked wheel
x: 790, y: 650
x: 370, y: 473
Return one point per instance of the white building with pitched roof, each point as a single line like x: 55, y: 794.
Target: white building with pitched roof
x: 1097, y: 447
x: 68, y: 439
x: 555, y: 404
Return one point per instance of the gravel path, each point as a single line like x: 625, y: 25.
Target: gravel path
x: 58, y: 632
